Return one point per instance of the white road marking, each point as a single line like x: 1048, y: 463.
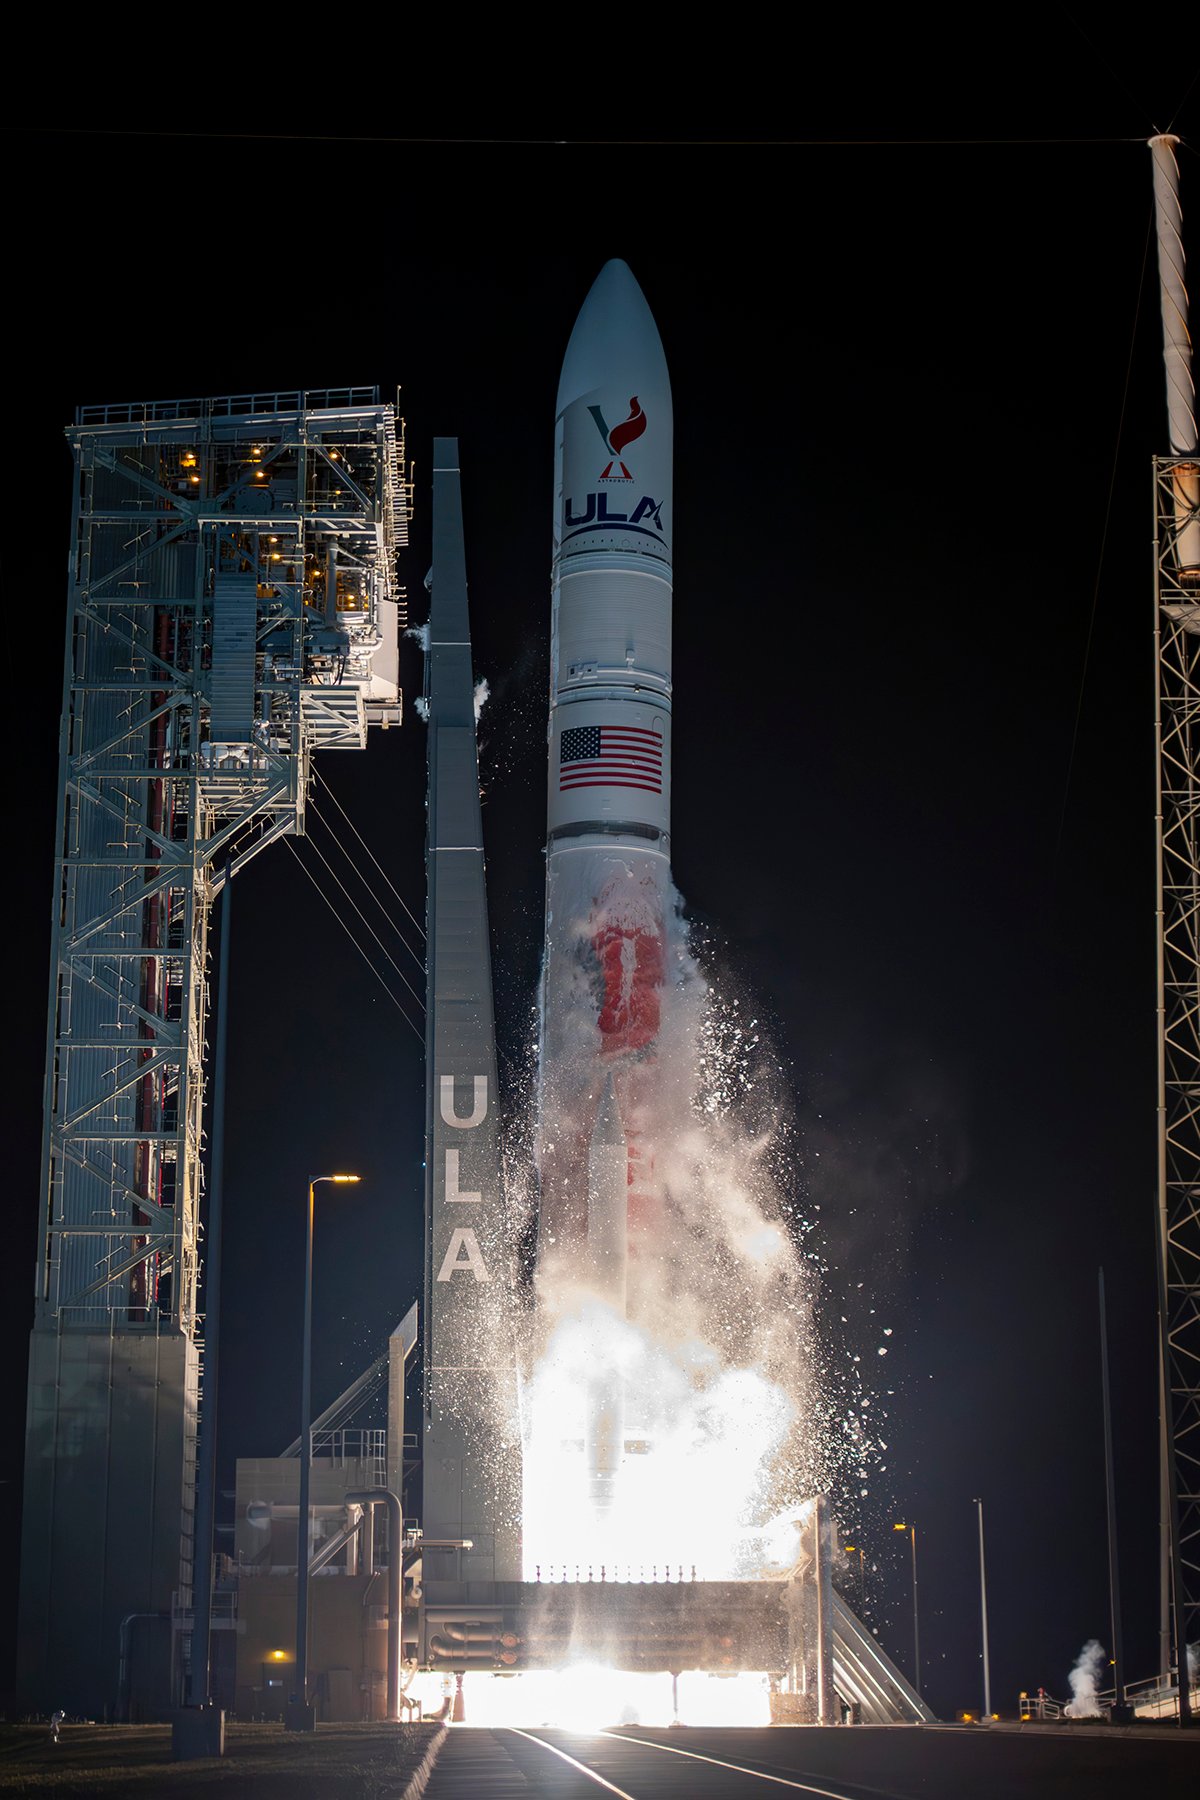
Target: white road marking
x: 805, y: 1787
x: 582, y: 1767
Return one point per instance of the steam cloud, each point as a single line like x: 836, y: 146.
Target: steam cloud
x: 1084, y: 1678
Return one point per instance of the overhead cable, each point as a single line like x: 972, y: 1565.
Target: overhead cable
x: 367, y: 848
x: 417, y: 1032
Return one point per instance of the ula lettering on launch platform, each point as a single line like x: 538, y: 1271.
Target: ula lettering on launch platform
x: 463, y: 1255
x: 479, y: 1102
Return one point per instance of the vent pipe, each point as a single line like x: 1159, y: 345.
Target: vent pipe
x: 1177, y: 355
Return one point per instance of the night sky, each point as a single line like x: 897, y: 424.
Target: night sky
x: 918, y: 385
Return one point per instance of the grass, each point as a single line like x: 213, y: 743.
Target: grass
x: 261, y: 1762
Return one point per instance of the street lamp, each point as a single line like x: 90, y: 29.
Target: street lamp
x: 862, y: 1578
x: 987, y: 1678
x: 912, y: 1532
x: 299, y: 1716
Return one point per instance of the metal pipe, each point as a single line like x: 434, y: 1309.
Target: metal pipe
x: 368, y: 1498
x: 206, y: 1473
x: 261, y: 1512
x: 1177, y: 356
x: 1177, y: 342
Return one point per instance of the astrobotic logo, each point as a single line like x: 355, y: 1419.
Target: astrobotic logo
x: 615, y: 440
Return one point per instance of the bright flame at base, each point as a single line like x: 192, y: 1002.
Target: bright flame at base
x: 590, y: 1697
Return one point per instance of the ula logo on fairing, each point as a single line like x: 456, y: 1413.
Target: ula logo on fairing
x: 595, y: 511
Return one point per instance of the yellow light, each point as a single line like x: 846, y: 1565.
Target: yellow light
x: 345, y: 1178
x: 275, y: 556
x: 849, y: 1549
x: 899, y: 1527
x: 279, y: 1656
x: 196, y: 480
x: 333, y: 456
x: 967, y: 1718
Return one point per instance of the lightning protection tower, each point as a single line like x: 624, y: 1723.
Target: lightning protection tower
x: 1177, y: 636
x: 232, y: 608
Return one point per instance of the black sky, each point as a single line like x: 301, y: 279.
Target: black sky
x: 917, y: 391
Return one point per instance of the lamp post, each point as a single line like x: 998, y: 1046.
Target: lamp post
x: 299, y: 1715
x: 987, y: 1675
x: 912, y: 1532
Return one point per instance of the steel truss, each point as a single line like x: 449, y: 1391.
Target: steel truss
x: 1177, y: 628
x: 233, y: 607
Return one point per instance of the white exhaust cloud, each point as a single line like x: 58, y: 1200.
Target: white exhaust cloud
x: 1085, y: 1682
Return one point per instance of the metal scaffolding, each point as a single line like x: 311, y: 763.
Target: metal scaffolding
x: 232, y: 608
x: 1177, y: 627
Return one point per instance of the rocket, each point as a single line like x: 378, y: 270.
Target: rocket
x: 608, y: 810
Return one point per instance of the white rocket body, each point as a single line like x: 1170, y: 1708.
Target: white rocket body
x: 608, y: 842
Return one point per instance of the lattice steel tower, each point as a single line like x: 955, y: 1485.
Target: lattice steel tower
x: 233, y: 607
x: 1177, y: 628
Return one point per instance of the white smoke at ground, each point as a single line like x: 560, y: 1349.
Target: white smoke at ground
x: 421, y: 704
x: 1085, y: 1682
x: 482, y: 696
x: 1193, y: 1662
x: 419, y: 635
x: 725, y: 1425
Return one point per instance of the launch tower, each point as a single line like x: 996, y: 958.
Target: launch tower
x: 232, y: 608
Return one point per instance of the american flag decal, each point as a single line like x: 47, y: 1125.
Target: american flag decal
x: 591, y: 756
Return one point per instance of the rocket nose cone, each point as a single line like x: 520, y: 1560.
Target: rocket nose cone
x: 614, y: 337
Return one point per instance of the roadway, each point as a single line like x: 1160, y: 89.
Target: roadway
x: 851, y: 1763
